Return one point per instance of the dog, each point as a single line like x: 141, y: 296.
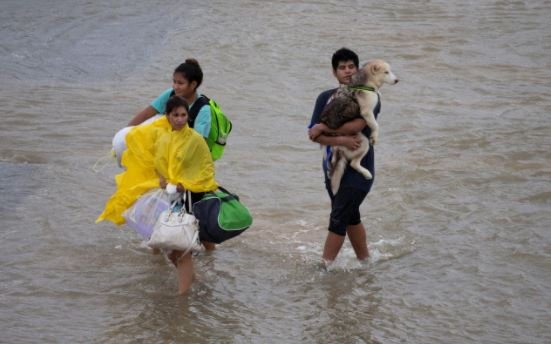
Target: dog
x: 351, y: 101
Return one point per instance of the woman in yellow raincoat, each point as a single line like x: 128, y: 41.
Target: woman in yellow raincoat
x: 164, y: 151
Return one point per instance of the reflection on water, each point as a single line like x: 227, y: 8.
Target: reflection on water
x: 457, y: 220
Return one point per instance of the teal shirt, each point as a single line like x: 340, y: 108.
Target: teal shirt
x: 202, y: 122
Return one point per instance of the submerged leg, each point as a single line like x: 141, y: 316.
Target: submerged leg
x: 209, y: 246
x: 358, y: 238
x: 184, y: 269
x: 333, y: 244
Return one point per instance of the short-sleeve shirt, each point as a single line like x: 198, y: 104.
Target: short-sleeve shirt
x: 202, y: 122
x: 351, y: 177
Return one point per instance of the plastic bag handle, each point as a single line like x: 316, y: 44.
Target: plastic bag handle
x: 179, y: 200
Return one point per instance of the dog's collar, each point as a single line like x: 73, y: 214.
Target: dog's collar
x: 362, y: 88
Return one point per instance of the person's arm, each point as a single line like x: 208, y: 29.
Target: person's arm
x: 157, y: 106
x: 202, y: 122
x: 162, y: 181
x: 180, y: 188
x: 352, y: 127
x: 352, y: 142
x: 315, y: 128
x: 143, y: 115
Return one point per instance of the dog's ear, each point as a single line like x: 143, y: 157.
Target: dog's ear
x: 374, y: 68
x: 359, y: 78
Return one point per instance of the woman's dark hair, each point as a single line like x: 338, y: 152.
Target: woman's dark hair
x: 343, y: 55
x: 191, y: 71
x: 176, y: 102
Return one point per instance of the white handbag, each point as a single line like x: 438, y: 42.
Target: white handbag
x: 176, y: 229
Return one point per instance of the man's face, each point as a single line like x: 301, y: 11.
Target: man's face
x: 344, y: 72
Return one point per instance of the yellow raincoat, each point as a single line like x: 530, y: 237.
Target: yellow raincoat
x: 155, y: 149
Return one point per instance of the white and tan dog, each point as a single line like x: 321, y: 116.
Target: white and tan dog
x: 364, y: 88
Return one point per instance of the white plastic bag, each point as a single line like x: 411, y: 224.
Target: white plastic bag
x: 119, y: 143
x: 144, y: 213
x: 119, y: 140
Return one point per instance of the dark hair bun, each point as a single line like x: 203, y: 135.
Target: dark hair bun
x: 192, y: 62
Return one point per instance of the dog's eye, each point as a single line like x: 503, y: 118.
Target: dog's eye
x: 386, y: 71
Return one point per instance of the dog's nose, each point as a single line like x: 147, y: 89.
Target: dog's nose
x: 397, y: 81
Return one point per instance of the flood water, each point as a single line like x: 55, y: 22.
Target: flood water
x: 458, y: 219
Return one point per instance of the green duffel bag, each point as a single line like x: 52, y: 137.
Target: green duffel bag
x: 221, y: 216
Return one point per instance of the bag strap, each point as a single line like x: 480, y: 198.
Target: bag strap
x: 230, y: 194
x: 183, y: 199
x: 188, y: 193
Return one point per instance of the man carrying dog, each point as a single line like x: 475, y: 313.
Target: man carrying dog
x: 345, y: 205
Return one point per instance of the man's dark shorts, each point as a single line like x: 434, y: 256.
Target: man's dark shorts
x: 345, y: 209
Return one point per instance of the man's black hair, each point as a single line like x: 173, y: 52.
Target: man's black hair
x: 343, y: 55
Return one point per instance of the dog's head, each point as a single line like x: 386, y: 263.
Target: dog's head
x: 375, y: 73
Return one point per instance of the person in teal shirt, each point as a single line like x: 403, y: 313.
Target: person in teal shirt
x: 186, y: 79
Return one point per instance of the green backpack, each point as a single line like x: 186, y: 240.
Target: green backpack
x: 220, y: 125
x: 220, y: 128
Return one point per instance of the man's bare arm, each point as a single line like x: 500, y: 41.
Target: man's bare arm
x: 351, y: 141
x: 352, y: 127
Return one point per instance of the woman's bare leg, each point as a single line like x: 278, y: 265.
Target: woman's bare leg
x: 209, y: 246
x: 184, y: 270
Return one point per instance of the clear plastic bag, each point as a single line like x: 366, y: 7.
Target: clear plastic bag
x: 143, y: 214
